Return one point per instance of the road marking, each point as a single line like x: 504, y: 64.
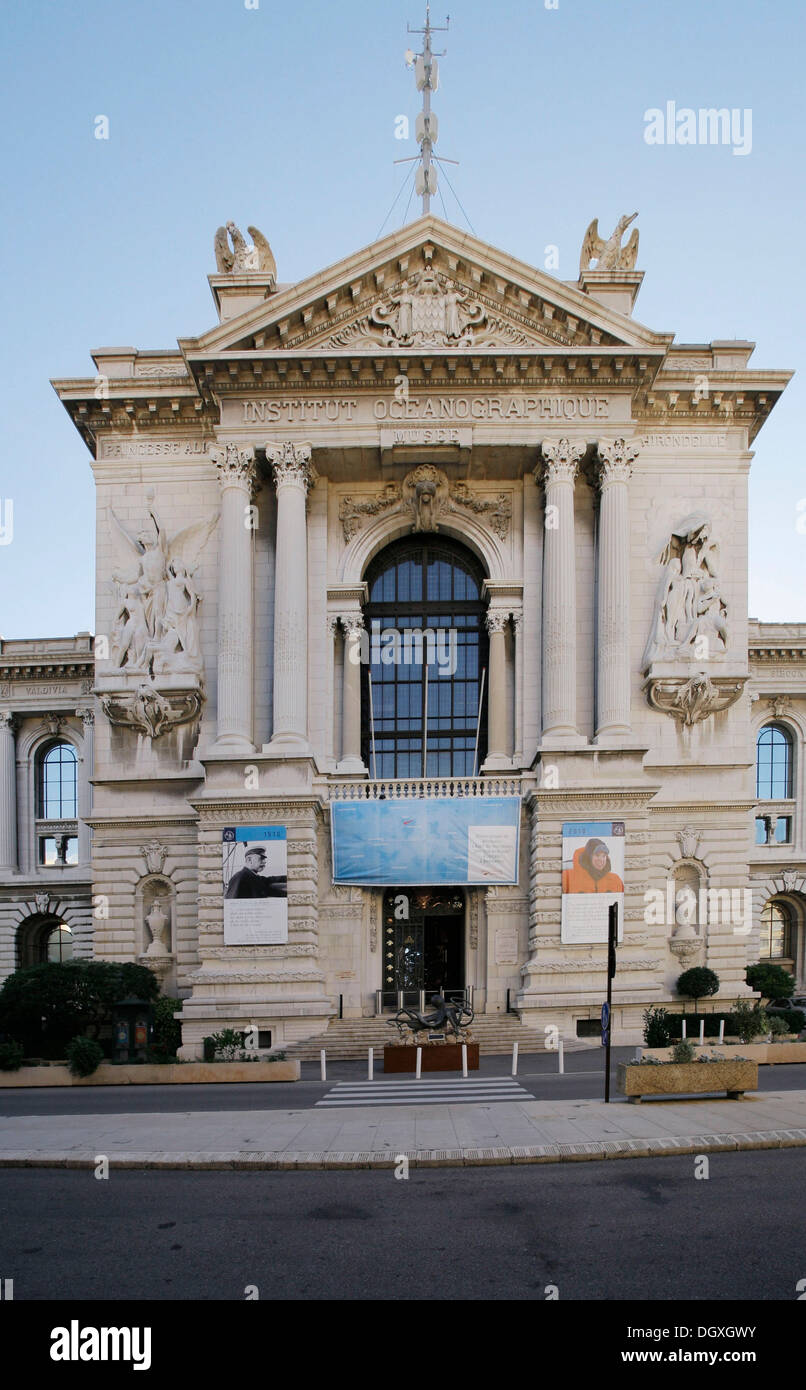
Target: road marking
x: 424, y: 1092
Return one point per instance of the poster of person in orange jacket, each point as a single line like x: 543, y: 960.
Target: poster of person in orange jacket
x: 593, y: 878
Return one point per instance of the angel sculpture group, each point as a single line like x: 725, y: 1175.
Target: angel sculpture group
x: 156, y: 628
x: 690, y: 617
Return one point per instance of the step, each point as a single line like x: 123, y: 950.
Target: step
x: 348, y: 1039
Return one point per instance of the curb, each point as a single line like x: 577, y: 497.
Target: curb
x: 252, y: 1160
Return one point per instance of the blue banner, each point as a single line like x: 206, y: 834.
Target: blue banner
x: 422, y: 841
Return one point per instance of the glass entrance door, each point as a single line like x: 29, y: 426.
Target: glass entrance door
x: 423, y: 943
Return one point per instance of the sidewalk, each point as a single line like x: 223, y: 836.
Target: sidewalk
x: 454, y: 1135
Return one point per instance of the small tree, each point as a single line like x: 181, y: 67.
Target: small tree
x: 697, y: 983
x: 770, y: 981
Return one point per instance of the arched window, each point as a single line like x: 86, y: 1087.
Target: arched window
x: 776, y: 932
x: 425, y: 614
x: 774, y: 763
x: 41, y: 941
x: 57, y: 783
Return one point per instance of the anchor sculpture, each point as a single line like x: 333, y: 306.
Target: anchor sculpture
x: 446, y: 1016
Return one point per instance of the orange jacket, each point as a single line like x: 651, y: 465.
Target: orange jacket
x: 578, y: 880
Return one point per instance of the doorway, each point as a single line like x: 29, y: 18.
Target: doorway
x: 423, y: 943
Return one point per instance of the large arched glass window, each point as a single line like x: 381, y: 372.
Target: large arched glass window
x: 41, y: 941
x: 774, y: 763
x: 776, y: 932
x: 57, y: 783
x: 425, y: 614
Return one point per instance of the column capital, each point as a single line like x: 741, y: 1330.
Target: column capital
x: 615, y: 459
x: 496, y: 619
x: 235, y: 466
x: 86, y: 715
x: 559, y: 460
x: 8, y: 720
x: 353, y: 623
x: 291, y: 463
x: 517, y: 620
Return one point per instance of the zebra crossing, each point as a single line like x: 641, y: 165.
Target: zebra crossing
x: 451, y: 1090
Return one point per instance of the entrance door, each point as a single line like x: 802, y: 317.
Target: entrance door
x: 424, y: 933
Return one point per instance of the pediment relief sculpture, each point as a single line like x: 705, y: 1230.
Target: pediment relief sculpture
x: 430, y: 310
x: 427, y: 495
x: 690, y: 621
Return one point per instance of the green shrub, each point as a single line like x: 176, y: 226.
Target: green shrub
x: 697, y: 983
x: 11, y: 1055
x: 778, y: 1026
x: 167, y: 1029
x: 228, y: 1046
x: 683, y: 1052
x: 770, y: 981
x: 793, y: 1018
x: 83, y: 1056
x: 656, y: 1028
x: 749, y: 1021
x: 69, y: 997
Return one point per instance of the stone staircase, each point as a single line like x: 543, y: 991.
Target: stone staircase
x: 347, y: 1039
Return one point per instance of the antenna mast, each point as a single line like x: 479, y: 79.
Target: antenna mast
x: 426, y: 71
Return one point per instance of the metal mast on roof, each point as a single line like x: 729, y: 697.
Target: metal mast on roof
x: 426, y: 71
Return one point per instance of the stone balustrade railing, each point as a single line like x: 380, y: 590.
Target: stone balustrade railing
x: 404, y: 787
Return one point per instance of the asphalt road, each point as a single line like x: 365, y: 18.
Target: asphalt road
x: 537, y: 1073
x: 643, y: 1229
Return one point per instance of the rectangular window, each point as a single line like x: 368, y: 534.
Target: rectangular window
x: 761, y: 830
x: 783, y: 831
x: 56, y: 850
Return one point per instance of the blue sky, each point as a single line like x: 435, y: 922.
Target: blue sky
x: 284, y: 116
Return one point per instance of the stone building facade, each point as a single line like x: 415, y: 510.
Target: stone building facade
x: 432, y: 406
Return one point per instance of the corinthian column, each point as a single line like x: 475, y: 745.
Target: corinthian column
x: 293, y: 475
x: 353, y: 625
x: 497, y: 756
x: 613, y: 608
x: 558, y: 472
x: 236, y: 477
x: 8, y: 792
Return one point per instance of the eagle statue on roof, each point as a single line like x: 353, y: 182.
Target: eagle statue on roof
x: 239, y: 257
x: 609, y: 254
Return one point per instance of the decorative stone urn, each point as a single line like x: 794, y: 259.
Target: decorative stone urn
x: 159, y: 924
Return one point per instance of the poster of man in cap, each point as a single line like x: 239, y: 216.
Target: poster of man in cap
x: 593, y: 878
x: 255, y: 885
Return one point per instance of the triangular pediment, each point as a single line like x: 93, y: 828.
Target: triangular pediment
x: 427, y: 288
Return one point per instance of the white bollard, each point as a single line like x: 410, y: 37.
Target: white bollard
x: 464, y: 1060
x: 702, y: 1032
x: 514, y: 1059
x: 561, y: 1057
x: 323, y: 1064
x: 684, y: 1030
x: 721, y: 1031
x: 371, y: 1064
x: 418, y: 1073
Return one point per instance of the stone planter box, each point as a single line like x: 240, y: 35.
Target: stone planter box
x: 436, y: 1057
x: 766, y: 1054
x: 148, y: 1074
x: 687, y: 1078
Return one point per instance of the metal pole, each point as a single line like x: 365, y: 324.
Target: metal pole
x: 464, y: 1060
x: 371, y: 1064
x: 561, y: 1057
x: 341, y: 1006
x: 478, y: 725
x: 514, y: 1059
x: 372, y: 730
x: 425, y: 715
x: 323, y: 1064
x: 422, y: 1001
x: 612, y: 939
x: 419, y: 1071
